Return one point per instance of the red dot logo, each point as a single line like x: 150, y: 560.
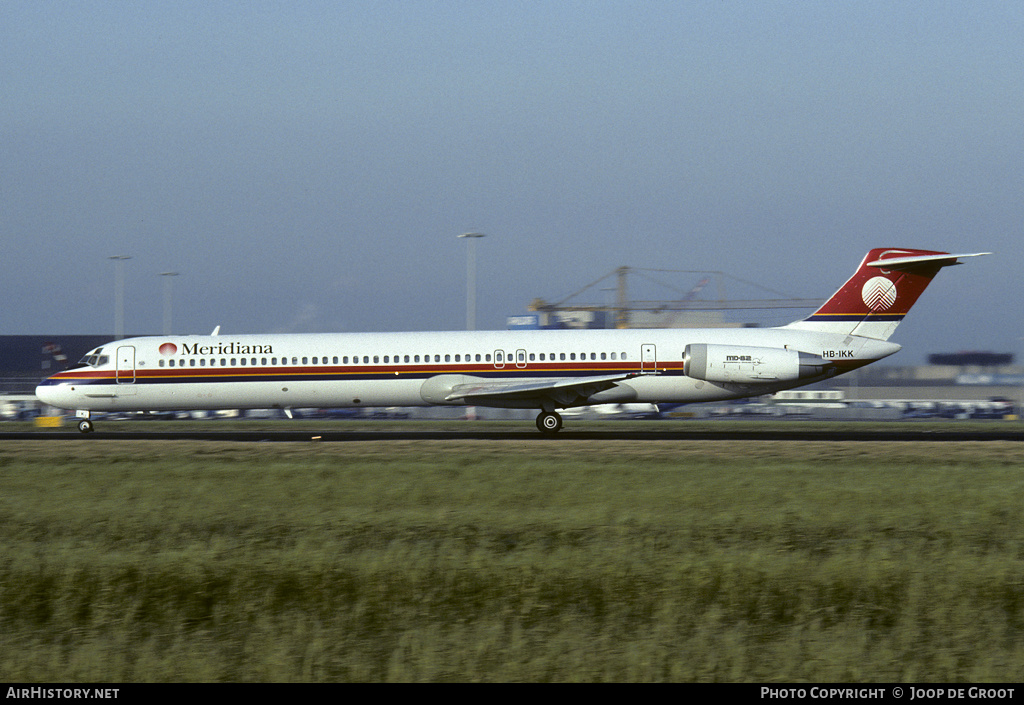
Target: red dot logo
x: 168, y: 349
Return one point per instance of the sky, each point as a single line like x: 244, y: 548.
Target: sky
x: 308, y: 166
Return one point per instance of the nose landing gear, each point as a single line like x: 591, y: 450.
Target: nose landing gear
x: 84, y: 422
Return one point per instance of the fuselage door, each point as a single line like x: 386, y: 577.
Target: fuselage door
x: 499, y: 359
x: 125, y: 371
x: 648, y: 359
x: 520, y: 358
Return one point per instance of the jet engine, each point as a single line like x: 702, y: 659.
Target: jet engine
x: 743, y: 363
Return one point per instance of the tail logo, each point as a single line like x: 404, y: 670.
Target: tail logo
x: 878, y: 293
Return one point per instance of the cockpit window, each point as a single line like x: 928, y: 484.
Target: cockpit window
x: 95, y: 358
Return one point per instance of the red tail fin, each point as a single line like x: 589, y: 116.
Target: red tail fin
x: 877, y: 297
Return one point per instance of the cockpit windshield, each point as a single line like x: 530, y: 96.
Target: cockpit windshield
x: 96, y: 358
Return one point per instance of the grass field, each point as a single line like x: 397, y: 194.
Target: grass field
x: 511, y: 560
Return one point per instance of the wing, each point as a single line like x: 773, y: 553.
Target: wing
x: 559, y: 390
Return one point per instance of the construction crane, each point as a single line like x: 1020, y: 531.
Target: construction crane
x: 623, y: 307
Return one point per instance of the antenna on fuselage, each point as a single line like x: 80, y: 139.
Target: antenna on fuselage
x: 216, y: 331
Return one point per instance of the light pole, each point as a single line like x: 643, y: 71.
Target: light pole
x: 471, y: 239
x: 167, y: 300
x: 119, y: 295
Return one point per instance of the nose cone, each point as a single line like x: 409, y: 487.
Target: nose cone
x: 55, y: 393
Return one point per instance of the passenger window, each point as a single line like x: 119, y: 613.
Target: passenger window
x: 572, y: 356
x: 192, y: 362
x: 458, y: 358
x: 447, y: 358
x: 386, y: 359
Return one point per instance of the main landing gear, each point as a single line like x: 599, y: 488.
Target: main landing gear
x: 549, y: 423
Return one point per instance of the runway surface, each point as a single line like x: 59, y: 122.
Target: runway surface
x: 333, y: 435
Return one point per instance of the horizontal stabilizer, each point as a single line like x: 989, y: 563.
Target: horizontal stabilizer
x: 905, y: 263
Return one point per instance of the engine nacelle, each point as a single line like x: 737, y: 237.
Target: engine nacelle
x: 744, y: 363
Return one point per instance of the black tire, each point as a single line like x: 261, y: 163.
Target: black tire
x: 85, y: 426
x: 549, y: 423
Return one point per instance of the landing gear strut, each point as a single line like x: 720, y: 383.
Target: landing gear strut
x: 549, y: 423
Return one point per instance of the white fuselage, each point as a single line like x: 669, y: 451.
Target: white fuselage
x: 406, y: 369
